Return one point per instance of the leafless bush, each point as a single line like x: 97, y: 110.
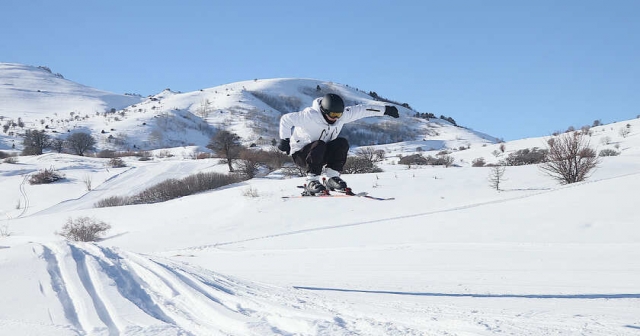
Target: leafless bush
x: 4, y: 231
x: 415, y: 159
x: 116, y: 162
x: 370, y: 154
x: 360, y: 165
x: 609, y: 152
x: 113, y: 202
x: 293, y: 170
x: 443, y: 160
x: 106, y: 154
x: 84, y: 229
x: 624, y: 131
x: 173, y: 188
x: 570, y: 158
x: 11, y: 160
x: 250, y: 192
x: 478, y: 162
x: 496, y: 174
x: 81, y: 142
x: 87, y: 181
x: 249, y: 163
x: 46, y: 176
x: 526, y: 156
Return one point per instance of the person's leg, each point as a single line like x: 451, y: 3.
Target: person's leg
x: 336, y: 154
x: 336, y: 157
x: 311, y: 158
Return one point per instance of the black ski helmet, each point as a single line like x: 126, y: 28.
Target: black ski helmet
x: 331, y: 102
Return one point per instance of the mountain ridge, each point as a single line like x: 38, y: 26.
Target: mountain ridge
x: 36, y: 98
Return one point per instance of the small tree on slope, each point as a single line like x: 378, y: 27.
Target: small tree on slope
x: 570, y: 158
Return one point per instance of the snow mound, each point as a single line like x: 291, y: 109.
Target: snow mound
x: 82, y: 288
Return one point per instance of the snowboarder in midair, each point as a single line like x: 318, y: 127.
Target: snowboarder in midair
x: 311, y: 136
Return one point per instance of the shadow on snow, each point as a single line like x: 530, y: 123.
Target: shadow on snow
x: 471, y: 295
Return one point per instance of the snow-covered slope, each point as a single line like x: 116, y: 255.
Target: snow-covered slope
x: 33, y: 93
x: 251, y: 109
x: 449, y: 256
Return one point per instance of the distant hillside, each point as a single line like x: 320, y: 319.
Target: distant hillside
x: 35, y: 98
x: 29, y: 91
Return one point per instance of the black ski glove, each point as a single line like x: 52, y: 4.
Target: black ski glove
x: 284, y: 146
x: 391, y: 111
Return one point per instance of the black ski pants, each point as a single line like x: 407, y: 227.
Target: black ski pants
x: 315, y: 155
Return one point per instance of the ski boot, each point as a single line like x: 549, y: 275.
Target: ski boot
x: 314, y: 188
x: 336, y: 183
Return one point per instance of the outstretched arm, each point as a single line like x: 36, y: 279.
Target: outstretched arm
x: 356, y: 112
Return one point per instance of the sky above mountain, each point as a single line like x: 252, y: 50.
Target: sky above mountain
x: 509, y: 69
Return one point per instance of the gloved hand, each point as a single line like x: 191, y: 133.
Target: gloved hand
x: 284, y: 146
x: 391, y: 111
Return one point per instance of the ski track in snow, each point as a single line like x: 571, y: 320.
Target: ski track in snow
x: 162, y: 297
x: 422, y: 214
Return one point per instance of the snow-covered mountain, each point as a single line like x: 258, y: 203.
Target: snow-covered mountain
x: 43, y: 100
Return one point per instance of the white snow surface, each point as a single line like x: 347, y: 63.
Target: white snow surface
x: 448, y: 256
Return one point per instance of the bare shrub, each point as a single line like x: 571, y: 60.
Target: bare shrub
x: 35, y: 142
x: 173, y: 188
x: 81, y: 142
x: 226, y: 145
x: 84, y: 229
x: 46, y: 176
x: 527, y: 157
x: 496, y: 176
x: 250, y: 192
x: 624, y: 131
x: 116, y: 162
x: 106, y: 154
x: 293, y: 170
x: 443, y: 160
x: 415, y: 159
x: 113, y: 202
x: 249, y: 163
x: 370, y: 154
x: 202, y: 156
x: 570, y: 158
x: 87, y: 181
x: 360, y: 165
x: 478, y: 162
x: 4, y: 231
x: 11, y: 160
x: 609, y: 152
x: 275, y: 159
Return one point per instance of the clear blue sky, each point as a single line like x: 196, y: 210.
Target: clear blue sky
x: 512, y: 69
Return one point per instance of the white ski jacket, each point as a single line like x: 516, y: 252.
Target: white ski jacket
x: 309, y: 125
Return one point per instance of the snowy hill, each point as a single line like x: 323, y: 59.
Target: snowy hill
x: 29, y: 92
x: 251, y: 109
x: 448, y: 256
